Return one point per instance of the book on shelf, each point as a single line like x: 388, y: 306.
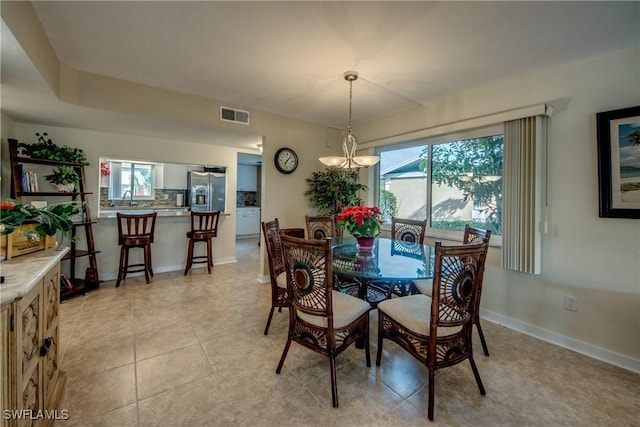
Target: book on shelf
x: 29, y: 182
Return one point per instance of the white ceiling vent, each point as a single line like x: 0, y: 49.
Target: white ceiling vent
x: 230, y: 115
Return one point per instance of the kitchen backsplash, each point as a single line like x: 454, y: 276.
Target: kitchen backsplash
x: 159, y: 202
x: 247, y: 198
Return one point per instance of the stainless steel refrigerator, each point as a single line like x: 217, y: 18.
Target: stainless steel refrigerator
x: 207, y: 190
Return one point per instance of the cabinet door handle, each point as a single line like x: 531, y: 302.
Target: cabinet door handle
x: 46, y: 346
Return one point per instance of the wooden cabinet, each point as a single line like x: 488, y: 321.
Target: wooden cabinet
x: 247, y: 221
x: 83, y: 226
x: 247, y: 178
x: 32, y: 381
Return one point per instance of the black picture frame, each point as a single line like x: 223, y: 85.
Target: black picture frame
x: 619, y: 163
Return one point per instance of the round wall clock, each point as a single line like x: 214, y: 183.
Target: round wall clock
x: 286, y: 160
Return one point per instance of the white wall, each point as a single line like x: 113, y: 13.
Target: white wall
x: 592, y: 258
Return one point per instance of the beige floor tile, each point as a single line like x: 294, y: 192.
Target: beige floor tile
x: 98, y: 356
x: 168, y: 370
x: 199, y: 403
x: 95, y: 394
x: 164, y: 339
x: 126, y: 416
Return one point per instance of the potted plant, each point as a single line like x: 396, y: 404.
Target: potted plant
x: 333, y: 189
x: 64, y: 178
x: 362, y: 222
x: 47, y: 149
x: 49, y: 219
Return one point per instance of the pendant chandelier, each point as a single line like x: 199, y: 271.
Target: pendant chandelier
x: 350, y: 142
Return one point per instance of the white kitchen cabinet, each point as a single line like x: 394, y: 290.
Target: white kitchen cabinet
x: 175, y: 176
x: 247, y: 178
x: 247, y: 221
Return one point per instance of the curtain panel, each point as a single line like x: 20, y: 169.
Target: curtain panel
x: 524, y: 143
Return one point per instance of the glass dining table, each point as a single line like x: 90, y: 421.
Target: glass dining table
x: 391, y: 265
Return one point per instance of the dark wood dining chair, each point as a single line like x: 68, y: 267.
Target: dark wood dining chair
x: 408, y: 230
x: 320, y: 318
x: 204, y: 228
x: 477, y: 235
x: 277, y: 278
x: 320, y: 227
x: 135, y: 231
x: 437, y: 330
x: 471, y: 235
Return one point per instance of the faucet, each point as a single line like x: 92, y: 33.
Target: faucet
x: 124, y: 195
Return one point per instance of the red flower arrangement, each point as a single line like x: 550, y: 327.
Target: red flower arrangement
x: 104, y: 169
x: 360, y: 221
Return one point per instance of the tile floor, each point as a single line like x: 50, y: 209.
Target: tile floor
x: 189, y: 351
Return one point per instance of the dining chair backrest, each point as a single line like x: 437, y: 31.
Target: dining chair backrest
x: 271, y: 231
x: 475, y: 235
x: 320, y: 227
x: 273, y: 247
x: 204, y: 224
x: 133, y: 227
x: 408, y: 230
x: 309, y: 275
x: 457, y: 271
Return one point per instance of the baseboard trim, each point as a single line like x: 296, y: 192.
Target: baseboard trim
x: 175, y: 267
x: 581, y: 347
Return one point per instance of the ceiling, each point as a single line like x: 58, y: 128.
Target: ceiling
x: 289, y: 58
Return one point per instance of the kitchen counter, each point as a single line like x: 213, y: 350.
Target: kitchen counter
x: 171, y: 212
x: 24, y: 272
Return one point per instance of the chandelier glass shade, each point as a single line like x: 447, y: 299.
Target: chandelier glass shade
x: 350, y: 142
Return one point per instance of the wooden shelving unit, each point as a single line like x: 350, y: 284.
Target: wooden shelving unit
x: 83, y: 227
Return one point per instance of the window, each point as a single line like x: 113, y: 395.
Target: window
x: 130, y: 179
x: 451, y: 181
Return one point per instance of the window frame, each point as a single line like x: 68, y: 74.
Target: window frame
x: 430, y: 141
x: 115, y: 166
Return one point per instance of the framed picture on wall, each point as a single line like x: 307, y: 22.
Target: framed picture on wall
x: 619, y: 162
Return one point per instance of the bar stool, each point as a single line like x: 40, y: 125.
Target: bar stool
x: 204, y: 227
x: 135, y: 231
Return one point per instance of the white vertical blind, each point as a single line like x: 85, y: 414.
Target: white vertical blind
x: 522, y: 194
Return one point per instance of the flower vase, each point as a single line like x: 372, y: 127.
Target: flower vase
x: 365, y: 262
x: 365, y: 244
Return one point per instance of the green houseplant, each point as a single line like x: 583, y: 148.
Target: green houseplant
x: 50, y: 219
x: 332, y: 190
x: 63, y: 177
x: 46, y: 149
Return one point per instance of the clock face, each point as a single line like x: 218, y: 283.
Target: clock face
x: 286, y: 160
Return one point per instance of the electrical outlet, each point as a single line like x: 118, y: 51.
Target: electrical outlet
x: 166, y: 196
x: 571, y: 303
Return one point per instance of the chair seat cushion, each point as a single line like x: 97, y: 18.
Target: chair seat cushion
x: 414, y: 312
x: 425, y: 287
x: 346, y: 309
x: 281, y: 280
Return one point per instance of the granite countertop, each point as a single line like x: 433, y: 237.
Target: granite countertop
x: 173, y: 212
x: 22, y: 273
